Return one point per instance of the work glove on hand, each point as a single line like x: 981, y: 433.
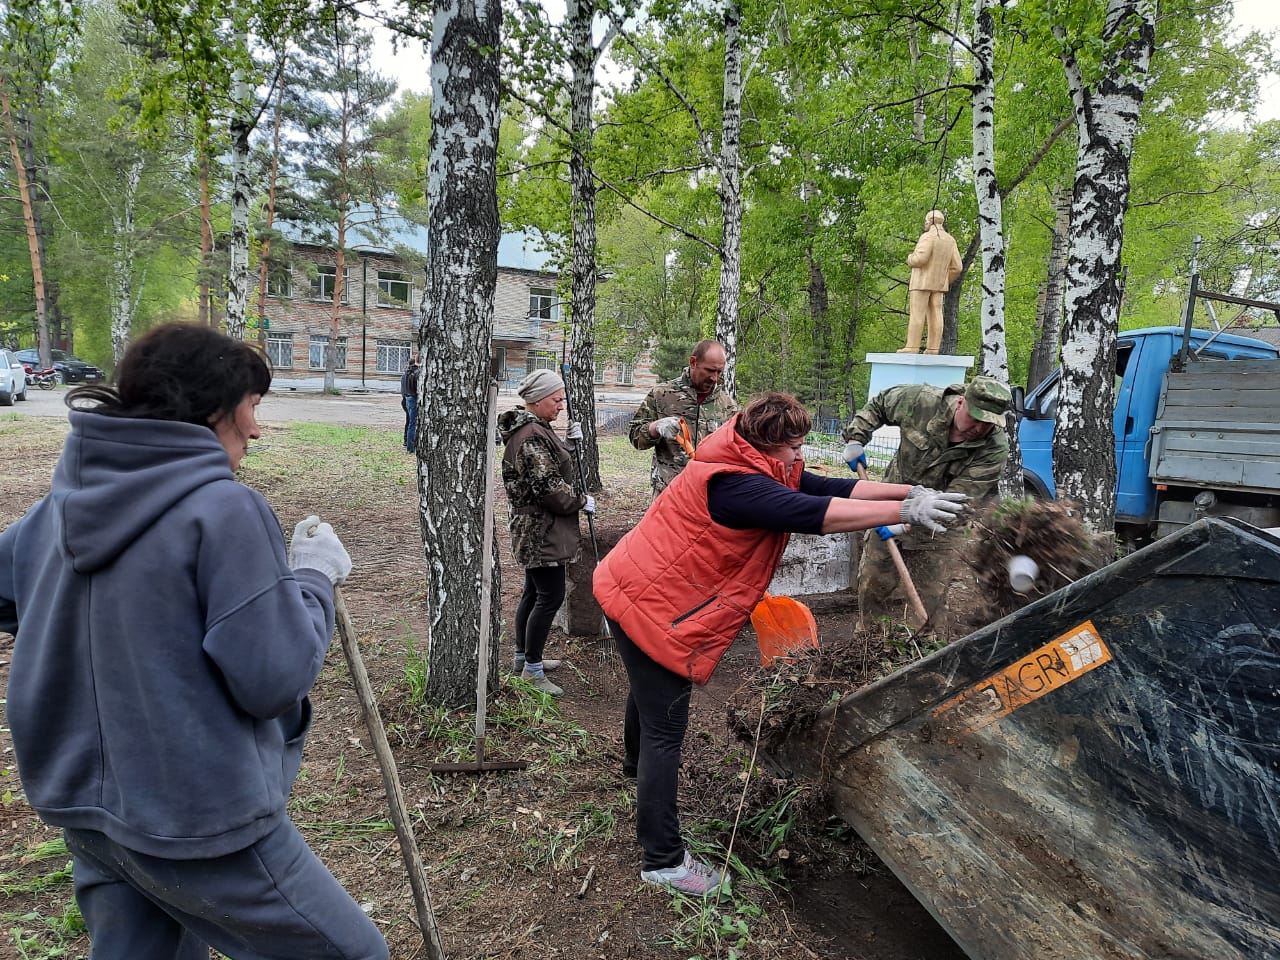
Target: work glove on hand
x: 854, y: 454
x: 667, y: 427
x: 316, y: 547
x: 573, y: 431
x: 932, y: 510
x: 919, y: 490
x: 590, y: 505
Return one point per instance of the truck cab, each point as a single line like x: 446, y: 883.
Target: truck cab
x: 1142, y: 360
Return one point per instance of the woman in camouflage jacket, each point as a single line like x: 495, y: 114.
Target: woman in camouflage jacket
x: 537, y: 472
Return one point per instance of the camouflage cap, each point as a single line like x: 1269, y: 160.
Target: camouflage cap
x: 987, y: 399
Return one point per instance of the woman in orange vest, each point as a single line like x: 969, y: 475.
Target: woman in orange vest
x: 681, y: 584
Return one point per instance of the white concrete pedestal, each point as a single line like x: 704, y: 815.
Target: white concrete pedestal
x: 894, y: 369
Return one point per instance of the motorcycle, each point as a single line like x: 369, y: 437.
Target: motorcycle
x: 45, y: 379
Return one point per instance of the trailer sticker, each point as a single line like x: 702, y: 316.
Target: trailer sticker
x: 1054, y: 665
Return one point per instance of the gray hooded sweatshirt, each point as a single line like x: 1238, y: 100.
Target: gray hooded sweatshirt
x: 164, y: 652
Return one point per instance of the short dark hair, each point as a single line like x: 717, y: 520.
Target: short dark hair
x: 773, y: 419
x: 702, y: 346
x: 181, y: 372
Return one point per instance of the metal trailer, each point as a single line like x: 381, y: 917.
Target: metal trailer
x: 1095, y: 776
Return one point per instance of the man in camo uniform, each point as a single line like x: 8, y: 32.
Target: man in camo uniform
x: 697, y: 396
x: 952, y: 440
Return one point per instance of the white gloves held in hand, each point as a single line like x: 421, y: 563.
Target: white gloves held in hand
x: 667, y: 427
x: 590, y: 505
x: 316, y: 547
x: 932, y: 509
x: 573, y: 431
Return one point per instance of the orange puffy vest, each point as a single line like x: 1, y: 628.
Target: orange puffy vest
x: 680, y: 584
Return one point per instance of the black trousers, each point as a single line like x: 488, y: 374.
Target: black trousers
x: 542, y: 596
x: 657, y: 716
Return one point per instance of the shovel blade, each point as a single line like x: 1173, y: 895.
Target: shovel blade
x: 783, y: 626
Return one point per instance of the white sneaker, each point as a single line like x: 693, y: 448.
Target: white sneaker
x: 692, y: 877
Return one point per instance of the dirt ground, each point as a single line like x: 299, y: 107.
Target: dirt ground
x: 537, y: 863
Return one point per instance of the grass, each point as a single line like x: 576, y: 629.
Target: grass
x: 37, y: 934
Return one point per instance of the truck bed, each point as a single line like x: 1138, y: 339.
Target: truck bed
x: 1218, y: 425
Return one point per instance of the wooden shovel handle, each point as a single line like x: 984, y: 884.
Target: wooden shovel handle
x: 904, y: 575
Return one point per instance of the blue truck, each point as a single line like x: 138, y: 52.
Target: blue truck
x: 1197, y: 430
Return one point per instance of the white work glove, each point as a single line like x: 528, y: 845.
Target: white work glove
x: 932, y: 510
x: 590, y: 505
x: 854, y: 453
x: 919, y: 490
x: 573, y: 431
x: 316, y: 547
x: 667, y: 427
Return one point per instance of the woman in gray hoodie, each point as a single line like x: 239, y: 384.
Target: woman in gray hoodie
x: 165, y: 646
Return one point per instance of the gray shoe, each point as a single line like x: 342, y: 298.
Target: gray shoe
x: 540, y: 682
x: 517, y: 666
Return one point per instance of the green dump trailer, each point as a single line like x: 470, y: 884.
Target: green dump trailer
x: 1097, y: 776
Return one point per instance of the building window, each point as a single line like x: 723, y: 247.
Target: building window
x: 279, y: 280
x: 502, y: 363
x: 324, y: 281
x: 626, y: 374
x: 599, y: 374
x: 393, y: 356
x: 394, y: 289
x: 316, y: 358
x: 280, y: 350
x: 543, y: 304
x: 542, y: 360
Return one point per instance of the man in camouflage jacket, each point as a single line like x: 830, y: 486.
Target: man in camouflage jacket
x: 697, y: 396
x: 953, y: 440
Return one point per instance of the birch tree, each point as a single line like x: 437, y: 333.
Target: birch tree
x: 1107, y: 96
x: 455, y: 339
x: 730, y: 196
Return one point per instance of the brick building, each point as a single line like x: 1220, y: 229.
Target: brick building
x: 383, y: 287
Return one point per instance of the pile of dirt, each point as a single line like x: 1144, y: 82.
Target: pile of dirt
x: 1050, y: 533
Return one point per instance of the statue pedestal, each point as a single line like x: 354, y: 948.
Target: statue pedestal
x: 936, y: 369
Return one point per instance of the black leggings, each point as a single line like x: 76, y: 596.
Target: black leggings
x: 543, y: 594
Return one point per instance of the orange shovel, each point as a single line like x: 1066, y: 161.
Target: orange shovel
x: 783, y: 626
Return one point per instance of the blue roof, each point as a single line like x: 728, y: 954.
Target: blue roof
x: 520, y: 250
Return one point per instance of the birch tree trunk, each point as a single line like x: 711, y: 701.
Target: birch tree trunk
x: 1044, y: 352
x: 264, y: 257
x: 28, y: 219
x: 241, y: 189
x: 123, y: 245
x: 1107, y: 121
x: 455, y: 340
x: 731, y: 196
x: 993, y: 354
x: 580, y: 377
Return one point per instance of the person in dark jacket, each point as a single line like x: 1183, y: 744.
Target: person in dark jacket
x: 409, y: 403
x: 166, y: 642
x: 538, y: 474
x: 680, y: 585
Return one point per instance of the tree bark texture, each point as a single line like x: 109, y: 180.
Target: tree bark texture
x: 731, y: 196
x: 264, y: 255
x: 1107, y: 120
x: 241, y: 194
x: 993, y: 358
x: 456, y: 338
x: 28, y: 219
x: 580, y: 377
x: 1044, y: 353
x: 124, y: 247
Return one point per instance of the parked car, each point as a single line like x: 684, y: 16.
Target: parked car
x: 13, y: 378
x: 70, y: 369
